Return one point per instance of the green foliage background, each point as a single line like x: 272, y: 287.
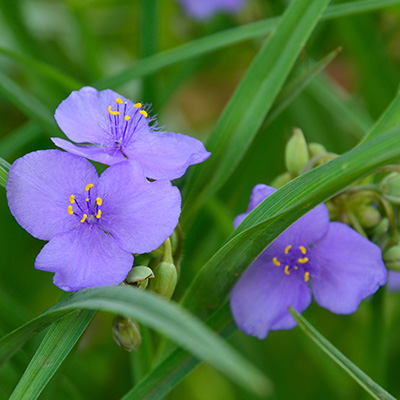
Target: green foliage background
x: 239, y: 83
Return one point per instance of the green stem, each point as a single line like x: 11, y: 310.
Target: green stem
x: 168, y: 252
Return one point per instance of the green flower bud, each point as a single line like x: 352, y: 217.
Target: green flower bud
x: 368, y: 216
x: 165, y: 279
x: 316, y: 149
x: 390, y: 187
x: 391, y: 258
x: 296, y: 153
x: 157, y: 253
x: 382, y: 228
x: 281, y: 180
x: 126, y: 333
x: 139, y: 276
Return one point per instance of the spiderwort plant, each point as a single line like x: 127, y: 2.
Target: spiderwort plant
x: 93, y: 223
x: 116, y: 129
x: 205, y: 9
x: 313, y: 256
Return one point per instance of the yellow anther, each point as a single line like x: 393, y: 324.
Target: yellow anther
x: 119, y: 100
x: 296, y: 267
x: 112, y: 112
x: 127, y: 117
x: 70, y: 211
x: 303, y: 249
x: 68, y: 266
x: 99, y: 201
x: 137, y: 105
x: 276, y: 262
x: 306, y: 276
x: 144, y: 113
x: 88, y: 186
x: 287, y: 270
x: 84, y: 218
x: 86, y: 199
x: 72, y: 199
x: 302, y: 260
x: 287, y: 249
x: 98, y: 214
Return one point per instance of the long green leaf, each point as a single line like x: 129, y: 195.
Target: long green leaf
x: 278, y: 211
x: 29, y: 105
x: 356, y: 373
x: 4, y: 168
x: 223, y: 39
x: 165, y: 317
x: 251, y: 102
x: 56, y: 345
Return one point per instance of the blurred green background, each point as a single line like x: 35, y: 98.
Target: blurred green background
x: 90, y: 41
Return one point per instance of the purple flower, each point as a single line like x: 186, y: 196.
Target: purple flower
x: 207, y: 8
x: 93, y: 223
x: 393, y: 281
x: 329, y: 259
x: 117, y: 129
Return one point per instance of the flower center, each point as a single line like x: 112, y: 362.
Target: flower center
x: 294, y: 260
x: 86, y: 208
x: 122, y: 125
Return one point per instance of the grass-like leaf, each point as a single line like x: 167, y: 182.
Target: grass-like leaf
x: 250, y: 103
x: 4, y: 168
x: 56, y: 345
x: 359, y: 376
x: 165, y: 317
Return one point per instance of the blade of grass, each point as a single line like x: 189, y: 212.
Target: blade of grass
x: 166, y: 317
x: 253, y: 98
x: 196, y: 48
x: 56, y: 345
x: 356, y: 373
x: 4, y: 168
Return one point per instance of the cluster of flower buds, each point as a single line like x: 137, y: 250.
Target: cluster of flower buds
x: 370, y: 206
x: 157, y: 271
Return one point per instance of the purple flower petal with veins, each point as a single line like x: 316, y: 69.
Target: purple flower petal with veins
x: 313, y: 256
x: 93, y: 223
x: 115, y: 129
x: 203, y: 9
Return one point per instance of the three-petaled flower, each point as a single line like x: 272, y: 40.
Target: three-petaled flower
x: 207, y: 8
x: 93, y: 223
x: 329, y: 259
x: 116, y: 129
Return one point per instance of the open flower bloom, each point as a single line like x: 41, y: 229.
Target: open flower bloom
x: 116, y: 129
x: 328, y: 259
x: 207, y: 8
x: 93, y: 223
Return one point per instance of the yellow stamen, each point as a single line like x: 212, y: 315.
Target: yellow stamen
x: 88, y: 186
x: 296, y: 267
x: 86, y: 199
x: 306, y: 276
x: 287, y: 270
x: 302, y: 260
x: 119, y: 100
x: 144, y: 113
x: 70, y: 211
x: 276, y: 262
x: 99, y: 201
x: 84, y: 218
x: 98, y: 214
x: 287, y: 249
x: 68, y: 266
x: 137, y: 105
x: 127, y: 117
x: 112, y: 112
x: 72, y: 199
x: 303, y: 249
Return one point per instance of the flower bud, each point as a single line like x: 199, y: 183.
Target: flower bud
x: 126, y: 333
x: 165, y: 279
x: 281, y: 180
x: 316, y: 149
x: 157, y: 253
x: 391, y: 258
x: 139, y: 276
x: 296, y: 153
x: 368, y: 216
x: 390, y: 187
